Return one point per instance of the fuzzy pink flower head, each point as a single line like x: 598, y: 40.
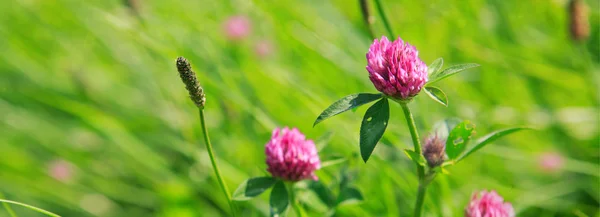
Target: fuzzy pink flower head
x: 395, y: 68
x: 488, y: 204
x: 290, y: 156
x: 551, y: 162
x: 237, y: 27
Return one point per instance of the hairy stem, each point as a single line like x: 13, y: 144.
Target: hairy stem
x: 214, y: 162
x: 384, y: 19
x: 420, y: 169
x: 420, y: 199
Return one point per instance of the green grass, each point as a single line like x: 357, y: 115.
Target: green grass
x: 94, y: 84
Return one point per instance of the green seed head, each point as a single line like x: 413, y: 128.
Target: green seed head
x: 191, y: 82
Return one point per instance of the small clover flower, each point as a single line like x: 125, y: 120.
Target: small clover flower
x: 489, y: 204
x: 290, y: 156
x: 395, y: 68
x: 551, y: 162
x: 61, y: 170
x: 237, y: 27
x: 263, y: 48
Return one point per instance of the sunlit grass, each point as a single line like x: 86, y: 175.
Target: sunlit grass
x: 90, y: 83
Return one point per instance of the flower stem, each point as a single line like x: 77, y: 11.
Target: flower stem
x: 364, y: 9
x: 293, y: 200
x: 214, y: 162
x: 7, y: 207
x: 420, y: 169
x: 30, y: 207
x: 384, y: 19
x: 420, y: 199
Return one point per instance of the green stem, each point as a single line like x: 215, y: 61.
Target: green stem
x: 384, y: 18
x: 214, y: 162
x: 415, y: 137
x: 9, y: 210
x: 7, y: 207
x: 30, y: 207
x: 364, y: 9
x: 420, y: 169
x: 293, y: 199
x: 420, y: 199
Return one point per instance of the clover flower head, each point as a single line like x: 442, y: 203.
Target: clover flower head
x: 489, y: 204
x: 290, y: 156
x: 395, y: 68
x: 237, y: 27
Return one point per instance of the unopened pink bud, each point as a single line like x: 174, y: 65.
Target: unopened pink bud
x: 434, y: 150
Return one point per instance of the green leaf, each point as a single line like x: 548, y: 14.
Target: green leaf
x: 324, y: 193
x: 373, y: 125
x: 444, y: 171
x: 435, y: 66
x: 458, y: 139
x: 443, y: 168
x: 333, y: 161
x: 252, y: 188
x: 347, y: 103
x: 447, y: 164
x: 279, y: 199
x: 490, y: 138
x: 437, y: 94
x: 412, y: 155
x: 450, y: 71
x: 349, y: 195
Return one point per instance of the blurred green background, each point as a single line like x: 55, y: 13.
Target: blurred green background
x: 94, y: 120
